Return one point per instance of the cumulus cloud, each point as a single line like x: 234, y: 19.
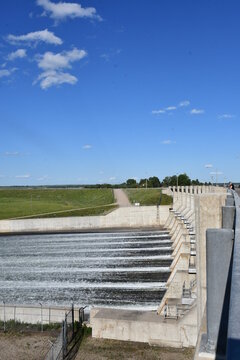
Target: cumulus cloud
x: 184, y: 103
x: 53, y: 66
x: 226, y: 116
x: 87, y: 146
x: 50, y: 61
x: 20, y: 53
x: 63, y: 10
x: 35, y: 37
x: 54, y: 78
x: 197, y: 111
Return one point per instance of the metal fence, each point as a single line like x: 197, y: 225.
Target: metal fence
x: 67, y: 343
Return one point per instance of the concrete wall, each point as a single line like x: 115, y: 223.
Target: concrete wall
x: 128, y: 217
x: 34, y: 314
x: 145, y: 327
x: 208, y: 212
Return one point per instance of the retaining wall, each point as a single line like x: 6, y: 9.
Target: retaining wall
x: 127, y: 217
x: 34, y: 314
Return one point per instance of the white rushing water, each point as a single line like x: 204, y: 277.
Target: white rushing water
x: 122, y: 269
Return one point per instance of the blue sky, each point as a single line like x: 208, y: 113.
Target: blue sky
x: 101, y: 91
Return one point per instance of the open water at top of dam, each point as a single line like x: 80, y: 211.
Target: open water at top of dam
x: 118, y: 269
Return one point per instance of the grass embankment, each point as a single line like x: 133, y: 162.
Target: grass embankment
x: 148, y: 197
x: 16, y: 203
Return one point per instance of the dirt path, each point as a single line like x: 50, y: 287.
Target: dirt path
x: 121, y: 198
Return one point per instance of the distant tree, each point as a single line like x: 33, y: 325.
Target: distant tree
x: 131, y: 183
x: 166, y: 181
x: 154, y: 182
x: 196, y: 182
x: 142, y: 183
x: 184, y: 180
x: 173, y: 180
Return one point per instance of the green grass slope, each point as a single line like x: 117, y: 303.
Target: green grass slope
x: 148, y: 196
x: 54, y: 202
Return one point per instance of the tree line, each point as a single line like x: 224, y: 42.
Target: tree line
x: 153, y: 182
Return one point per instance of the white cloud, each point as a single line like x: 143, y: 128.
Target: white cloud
x: 20, y: 53
x: 62, y: 10
x: 226, y: 116
x: 170, y: 108
x: 168, y: 142
x: 44, y: 177
x: 54, y: 78
x: 12, y: 153
x: 35, y: 37
x: 208, y: 166
x: 87, y: 146
x: 184, y: 103
x: 25, y: 176
x: 7, y: 73
x: 156, y: 112
x: 112, y: 178
x: 53, y: 64
x: 197, y: 111
x: 51, y: 61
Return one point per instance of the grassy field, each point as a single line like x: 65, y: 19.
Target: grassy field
x: 16, y: 203
x: 148, y: 196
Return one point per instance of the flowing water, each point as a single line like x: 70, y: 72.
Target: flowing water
x: 119, y: 269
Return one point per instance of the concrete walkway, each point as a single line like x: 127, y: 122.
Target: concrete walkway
x: 121, y: 198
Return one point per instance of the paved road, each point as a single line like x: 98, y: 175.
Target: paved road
x: 121, y: 198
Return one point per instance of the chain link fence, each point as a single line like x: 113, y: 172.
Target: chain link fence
x: 68, y: 341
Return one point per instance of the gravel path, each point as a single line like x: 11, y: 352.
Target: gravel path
x: 121, y: 198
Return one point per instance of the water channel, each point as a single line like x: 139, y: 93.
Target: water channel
x: 118, y: 269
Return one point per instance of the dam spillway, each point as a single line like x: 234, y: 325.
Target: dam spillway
x: 117, y: 269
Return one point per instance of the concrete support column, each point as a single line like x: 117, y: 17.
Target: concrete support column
x: 219, y: 251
